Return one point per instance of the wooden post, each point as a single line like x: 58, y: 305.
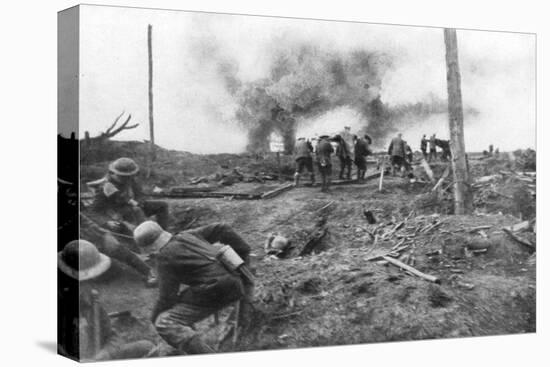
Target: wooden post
x: 279, y: 166
x: 382, y: 175
x: 463, y: 199
x: 151, y: 120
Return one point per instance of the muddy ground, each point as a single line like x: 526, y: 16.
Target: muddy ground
x: 335, y: 295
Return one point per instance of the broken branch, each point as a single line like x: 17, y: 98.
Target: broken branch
x: 411, y: 270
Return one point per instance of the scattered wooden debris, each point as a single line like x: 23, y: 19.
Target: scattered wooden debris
x: 382, y: 170
x: 442, y: 179
x: 428, y: 170
x: 519, y: 240
x: 277, y: 191
x: 519, y: 226
x: 315, y: 237
x: 411, y: 270
x: 479, y: 228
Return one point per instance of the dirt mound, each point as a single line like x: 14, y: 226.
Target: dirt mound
x: 342, y: 293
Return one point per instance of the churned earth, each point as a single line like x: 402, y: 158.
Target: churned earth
x: 341, y: 293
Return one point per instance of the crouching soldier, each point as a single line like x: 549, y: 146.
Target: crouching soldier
x: 211, y: 263
x: 110, y: 246
x: 120, y: 197
x: 84, y: 329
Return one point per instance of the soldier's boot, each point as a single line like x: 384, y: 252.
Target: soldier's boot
x: 296, y: 178
x: 312, y: 179
x: 196, y: 346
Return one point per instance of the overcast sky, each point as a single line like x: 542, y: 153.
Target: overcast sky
x: 194, y: 112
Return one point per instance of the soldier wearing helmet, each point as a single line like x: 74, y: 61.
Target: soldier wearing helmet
x: 119, y: 196
x: 118, y: 206
x: 84, y: 329
x: 195, y: 259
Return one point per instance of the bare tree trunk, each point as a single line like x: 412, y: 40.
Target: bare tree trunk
x: 463, y: 198
x: 151, y: 120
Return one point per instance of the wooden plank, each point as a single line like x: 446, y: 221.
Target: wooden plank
x: 519, y: 226
x: 428, y: 170
x: 382, y: 175
x: 520, y: 240
x: 443, y: 177
x: 277, y: 191
x: 410, y: 269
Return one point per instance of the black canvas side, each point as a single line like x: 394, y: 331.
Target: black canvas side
x: 67, y: 176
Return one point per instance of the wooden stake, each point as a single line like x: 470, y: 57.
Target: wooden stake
x: 151, y: 120
x: 382, y: 175
x: 463, y: 198
x: 443, y: 177
x: 428, y: 170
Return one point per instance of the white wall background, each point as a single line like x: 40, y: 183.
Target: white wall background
x: 28, y: 64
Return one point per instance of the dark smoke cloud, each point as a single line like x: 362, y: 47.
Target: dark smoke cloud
x: 305, y: 81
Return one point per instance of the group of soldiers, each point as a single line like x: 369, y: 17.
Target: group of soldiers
x: 350, y: 149
x: 433, y: 143
x: 198, y: 271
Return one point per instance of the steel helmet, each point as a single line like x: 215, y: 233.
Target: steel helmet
x: 124, y: 167
x: 81, y: 260
x: 276, y: 244
x: 150, y: 236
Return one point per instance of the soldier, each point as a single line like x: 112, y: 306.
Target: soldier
x: 302, y: 152
x: 348, y: 138
x: 408, y: 156
x: 120, y: 197
x: 361, y: 149
x: 433, y: 152
x: 343, y: 153
x: 424, y: 146
x: 445, y: 146
x: 324, y: 151
x: 84, y: 326
x: 397, y: 152
x: 192, y: 259
x: 110, y: 246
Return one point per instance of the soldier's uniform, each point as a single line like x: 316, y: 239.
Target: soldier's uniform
x: 433, y: 151
x: 304, y: 160
x: 324, y: 151
x: 361, y: 152
x: 189, y: 258
x: 122, y: 202
x: 343, y: 152
x: 424, y: 147
x: 83, y: 320
x: 397, y: 152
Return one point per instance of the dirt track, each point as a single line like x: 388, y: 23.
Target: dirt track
x: 337, y: 296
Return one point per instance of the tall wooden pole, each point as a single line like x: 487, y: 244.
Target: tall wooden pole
x: 151, y: 120
x: 463, y: 198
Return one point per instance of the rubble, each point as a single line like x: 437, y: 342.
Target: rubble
x: 430, y: 274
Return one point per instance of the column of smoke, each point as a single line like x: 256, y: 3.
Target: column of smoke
x: 305, y: 82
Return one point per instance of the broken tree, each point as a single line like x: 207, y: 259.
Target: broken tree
x: 463, y: 198
x: 111, y: 131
